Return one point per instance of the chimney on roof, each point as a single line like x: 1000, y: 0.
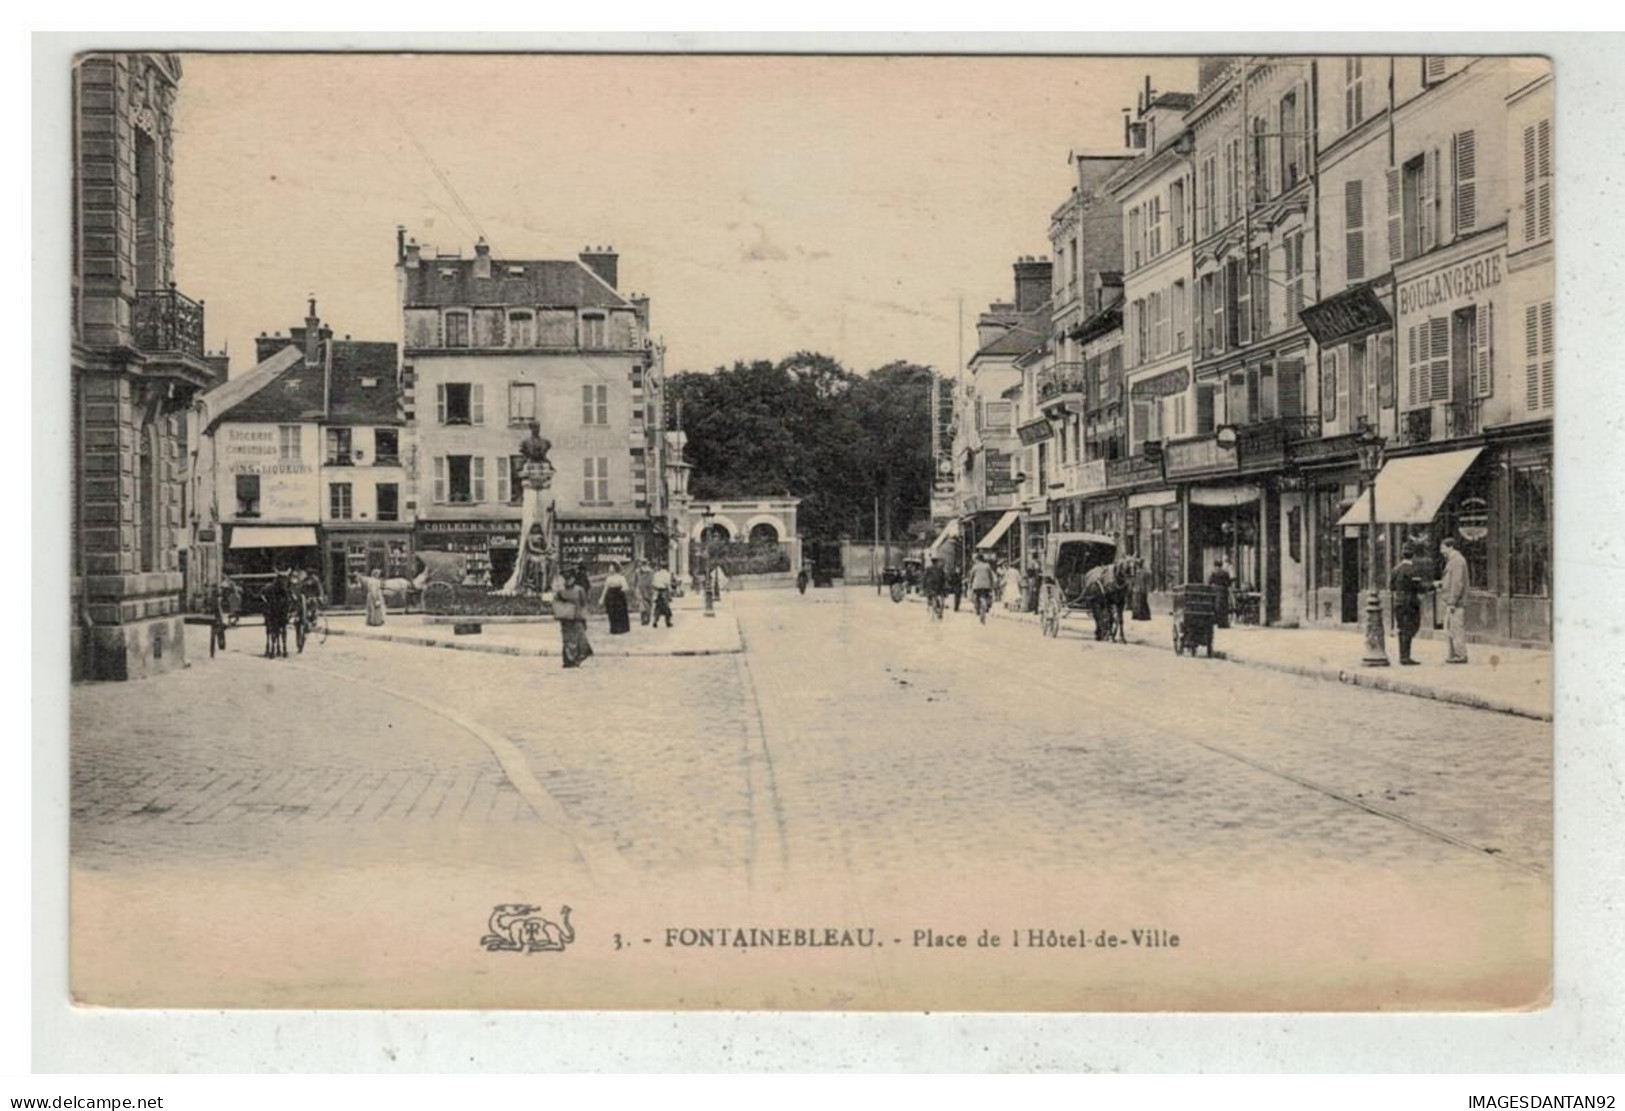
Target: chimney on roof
x: 482, y: 258
x: 400, y: 242
x: 1032, y: 282
x: 313, y: 336
x: 640, y: 306
x: 413, y: 254
x: 602, y: 261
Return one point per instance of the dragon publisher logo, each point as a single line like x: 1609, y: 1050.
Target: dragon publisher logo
x: 521, y: 928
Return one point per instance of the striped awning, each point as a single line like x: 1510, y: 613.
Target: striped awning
x: 996, y: 533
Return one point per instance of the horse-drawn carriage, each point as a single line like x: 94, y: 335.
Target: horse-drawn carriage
x: 279, y: 599
x: 1083, y: 574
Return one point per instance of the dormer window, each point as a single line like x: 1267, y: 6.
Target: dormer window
x: 456, y: 329
x: 594, y: 330
x: 521, y: 329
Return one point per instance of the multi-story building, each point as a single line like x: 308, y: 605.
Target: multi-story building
x: 986, y: 446
x: 138, y: 357
x: 491, y: 345
x: 1157, y: 195
x: 300, y: 461
x: 1086, y: 237
x: 1445, y: 347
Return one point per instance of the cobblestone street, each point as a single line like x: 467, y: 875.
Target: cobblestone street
x: 856, y: 762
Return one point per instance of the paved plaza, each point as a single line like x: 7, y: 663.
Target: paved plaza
x: 855, y: 760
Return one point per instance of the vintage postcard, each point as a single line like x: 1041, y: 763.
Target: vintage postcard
x: 811, y: 532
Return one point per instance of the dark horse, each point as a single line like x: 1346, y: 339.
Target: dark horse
x: 279, y: 603
x: 1106, y: 591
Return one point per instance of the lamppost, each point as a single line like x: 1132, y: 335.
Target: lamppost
x: 707, y: 515
x: 1370, y: 447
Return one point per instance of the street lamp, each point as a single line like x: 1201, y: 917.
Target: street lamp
x: 707, y: 515
x: 1370, y: 446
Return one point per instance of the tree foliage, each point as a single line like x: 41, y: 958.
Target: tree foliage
x: 807, y: 427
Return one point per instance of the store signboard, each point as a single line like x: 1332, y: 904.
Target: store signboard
x: 1001, y: 477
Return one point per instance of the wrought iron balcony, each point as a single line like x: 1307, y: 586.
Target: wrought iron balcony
x: 1061, y: 385
x: 167, y: 321
x: 1462, y: 418
x: 1298, y: 429
x: 1416, y: 426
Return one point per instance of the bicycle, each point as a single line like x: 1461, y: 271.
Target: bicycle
x: 984, y: 604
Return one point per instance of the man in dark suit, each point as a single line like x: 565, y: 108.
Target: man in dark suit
x: 1406, y: 588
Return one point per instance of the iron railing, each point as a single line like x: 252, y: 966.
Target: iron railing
x: 1060, y: 379
x: 168, y: 320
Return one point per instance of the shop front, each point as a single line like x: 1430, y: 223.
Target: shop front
x: 1154, y: 525
x: 599, y: 542
x: 486, y: 550
x: 350, y: 553
x: 266, y: 549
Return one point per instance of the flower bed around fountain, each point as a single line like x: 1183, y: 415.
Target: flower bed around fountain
x: 447, y: 600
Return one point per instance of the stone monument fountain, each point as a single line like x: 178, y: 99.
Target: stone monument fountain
x: 531, y: 571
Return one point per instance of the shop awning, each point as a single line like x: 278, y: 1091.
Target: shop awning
x: 1223, y: 497
x: 949, y: 529
x: 266, y: 536
x: 997, y: 532
x: 1410, y: 490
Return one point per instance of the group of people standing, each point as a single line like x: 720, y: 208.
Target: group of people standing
x: 1407, y: 585
x: 649, y: 588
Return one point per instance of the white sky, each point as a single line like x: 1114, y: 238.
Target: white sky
x: 765, y: 204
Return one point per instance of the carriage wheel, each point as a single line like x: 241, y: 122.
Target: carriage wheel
x: 1178, y: 649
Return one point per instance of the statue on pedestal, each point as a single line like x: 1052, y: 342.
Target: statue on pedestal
x: 537, y: 475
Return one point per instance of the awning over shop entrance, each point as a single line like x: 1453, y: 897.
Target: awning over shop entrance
x: 1410, y: 490
x: 265, y: 536
x: 948, y: 530
x: 1223, y: 497
x: 997, y: 532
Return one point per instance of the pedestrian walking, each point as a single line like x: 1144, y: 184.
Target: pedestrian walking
x: 643, y: 590
x: 1220, y: 577
x: 661, y: 584
x: 374, y: 586
x: 1142, y: 590
x: 1406, y: 587
x: 1049, y: 606
x: 1010, y: 587
x: 934, y: 585
x: 570, y: 611
x: 1030, y: 581
x: 982, y: 583
x: 956, y: 585
x: 613, y: 599
x: 1453, y: 596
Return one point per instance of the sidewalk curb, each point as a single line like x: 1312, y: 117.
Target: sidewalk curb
x: 541, y: 652
x: 1346, y: 676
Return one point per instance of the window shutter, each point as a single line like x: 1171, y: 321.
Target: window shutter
x: 1433, y: 68
x: 476, y: 404
x: 1354, y: 224
x: 1547, y: 396
x: 1383, y: 368
x: 1529, y: 185
x: 1439, y: 326
x: 440, y: 402
x: 503, y: 479
x: 1531, y: 358
x: 477, y: 467
x: 1413, y: 361
x: 1396, y: 236
x: 440, y: 478
x: 1341, y: 403
x: 1244, y: 298
x: 1328, y: 384
x: 1544, y: 168
x: 1484, y: 362
x: 1430, y: 200
x: 1465, y: 171
x: 586, y: 405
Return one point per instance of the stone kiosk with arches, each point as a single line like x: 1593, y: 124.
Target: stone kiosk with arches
x: 754, y: 540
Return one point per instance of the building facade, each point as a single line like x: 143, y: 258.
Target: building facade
x: 300, y: 460
x: 137, y: 359
x: 491, y: 345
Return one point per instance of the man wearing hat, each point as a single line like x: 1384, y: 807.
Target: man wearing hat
x: 1406, y: 587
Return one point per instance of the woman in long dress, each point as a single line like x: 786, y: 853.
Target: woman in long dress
x: 613, y: 600
x: 1012, y: 587
x: 375, y: 599
x: 570, y: 610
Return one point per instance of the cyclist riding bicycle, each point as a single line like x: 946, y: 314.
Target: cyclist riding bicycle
x: 934, y: 585
x: 982, y: 584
